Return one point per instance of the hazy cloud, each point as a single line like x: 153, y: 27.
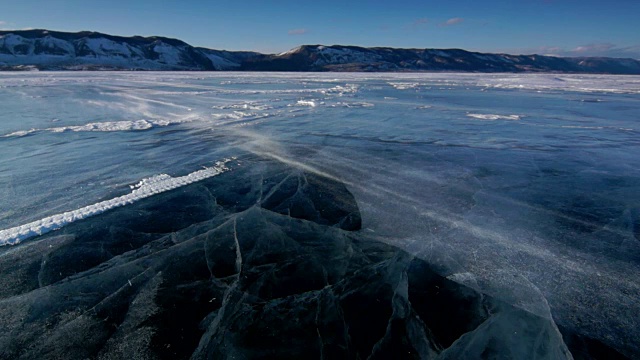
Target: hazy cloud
x: 3, y: 23
x: 453, y: 21
x: 542, y: 50
x: 594, y: 49
x: 417, y: 24
x: 604, y: 49
x: 297, y: 31
x: 607, y: 50
x: 421, y: 21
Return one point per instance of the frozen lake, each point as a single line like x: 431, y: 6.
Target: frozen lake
x: 524, y: 189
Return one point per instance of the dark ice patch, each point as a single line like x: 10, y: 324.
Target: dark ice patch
x: 260, y: 262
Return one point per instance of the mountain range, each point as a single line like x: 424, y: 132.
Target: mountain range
x: 54, y: 50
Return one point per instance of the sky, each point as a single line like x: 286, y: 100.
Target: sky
x: 552, y: 27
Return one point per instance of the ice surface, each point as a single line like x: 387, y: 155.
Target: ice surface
x: 520, y: 191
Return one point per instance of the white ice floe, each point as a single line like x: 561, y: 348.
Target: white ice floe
x: 20, y: 133
x: 310, y: 103
x: 243, y: 106
x: 494, y: 117
x: 341, y: 90
x: 337, y: 90
x: 403, y: 85
x: 596, y: 127
x: 145, y: 188
x: 239, y: 115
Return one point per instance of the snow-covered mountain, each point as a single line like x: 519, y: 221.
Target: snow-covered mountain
x: 353, y: 58
x: 53, y: 50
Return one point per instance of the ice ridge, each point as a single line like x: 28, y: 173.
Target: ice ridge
x: 145, y: 188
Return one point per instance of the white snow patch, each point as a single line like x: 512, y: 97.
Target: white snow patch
x: 327, y: 55
x: 9, y: 41
x: 403, y: 85
x: 354, y: 104
x: 167, y: 53
x: 243, y: 106
x: 240, y: 115
x: 440, y: 53
x: 97, y: 126
x: 51, y: 42
x: 107, y: 126
x: 105, y: 47
x: 20, y: 133
x: 236, y: 115
x: 221, y: 63
x: 292, y: 51
x: 310, y: 103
